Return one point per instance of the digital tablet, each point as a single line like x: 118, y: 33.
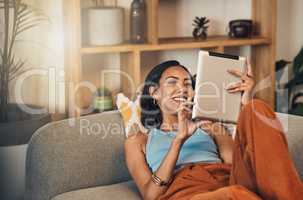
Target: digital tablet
x: 212, y: 100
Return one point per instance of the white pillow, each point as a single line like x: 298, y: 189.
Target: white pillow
x: 131, y: 114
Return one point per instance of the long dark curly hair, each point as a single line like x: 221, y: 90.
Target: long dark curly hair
x: 151, y: 116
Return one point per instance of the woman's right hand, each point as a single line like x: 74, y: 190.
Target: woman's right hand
x: 187, y: 127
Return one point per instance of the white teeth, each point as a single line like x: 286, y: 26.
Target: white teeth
x: 179, y: 99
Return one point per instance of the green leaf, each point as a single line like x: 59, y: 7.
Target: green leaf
x: 280, y: 64
x: 10, y: 4
x: 298, y: 62
x: 23, y: 12
x: 17, y: 70
x: 1, y: 54
x: 24, y: 18
x: 103, y: 92
x: 21, y: 9
x: 197, y: 21
x: 23, y: 29
x: 298, y: 79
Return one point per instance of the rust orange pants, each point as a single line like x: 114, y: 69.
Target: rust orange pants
x: 262, y: 167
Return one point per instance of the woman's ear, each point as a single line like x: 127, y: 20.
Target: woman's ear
x: 154, y: 92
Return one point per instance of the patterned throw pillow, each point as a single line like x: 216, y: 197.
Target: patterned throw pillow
x: 131, y: 114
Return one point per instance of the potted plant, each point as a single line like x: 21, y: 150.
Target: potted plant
x: 16, y: 126
x: 200, y: 27
x: 103, y: 100
x: 18, y: 18
x: 293, y: 89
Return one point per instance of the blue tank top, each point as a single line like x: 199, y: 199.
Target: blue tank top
x: 200, y: 147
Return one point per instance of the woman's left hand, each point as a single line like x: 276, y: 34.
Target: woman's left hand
x: 246, y: 85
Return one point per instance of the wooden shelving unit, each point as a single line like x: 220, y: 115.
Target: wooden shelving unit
x: 178, y: 43
x: 263, y: 49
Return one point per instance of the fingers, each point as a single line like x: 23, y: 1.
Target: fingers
x: 203, y: 124
x: 249, y: 68
x: 238, y: 73
x: 186, y: 106
x: 234, y: 85
x: 206, y: 124
x: 187, y: 103
x: 248, y: 74
x: 247, y: 82
x: 239, y: 86
x: 237, y: 89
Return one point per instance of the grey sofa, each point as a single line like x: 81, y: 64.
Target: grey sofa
x: 85, y: 160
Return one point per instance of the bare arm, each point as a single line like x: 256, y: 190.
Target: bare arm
x: 136, y: 163
x: 224, y: 142
x: 222, y: 138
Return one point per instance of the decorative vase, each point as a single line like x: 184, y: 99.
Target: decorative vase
x: 138, y: 22
x: 105, y: 25
x: 241, y: 28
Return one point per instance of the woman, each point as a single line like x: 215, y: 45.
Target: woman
x: 181, y: 159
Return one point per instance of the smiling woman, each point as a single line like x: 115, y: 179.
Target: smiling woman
x: 198, y: 160
x: 151, y: 115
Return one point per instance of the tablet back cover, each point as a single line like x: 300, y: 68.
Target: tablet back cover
x: 212, y: 100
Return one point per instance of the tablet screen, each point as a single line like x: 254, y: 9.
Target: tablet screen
x: 212, y: 100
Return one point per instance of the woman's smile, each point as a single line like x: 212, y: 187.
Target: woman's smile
x: 179, y: 99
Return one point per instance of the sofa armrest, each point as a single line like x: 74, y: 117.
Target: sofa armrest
x: 293, y: 128
x: 63, y: 157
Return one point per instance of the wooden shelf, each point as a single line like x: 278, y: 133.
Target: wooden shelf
x: 263, y: 53
x: 210, y: 42
x: 108, y: 49
x: 178, y: 43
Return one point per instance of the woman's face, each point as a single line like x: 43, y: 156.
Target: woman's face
x: 175, y: 86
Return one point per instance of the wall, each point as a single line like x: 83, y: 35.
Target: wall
x: 12, y: 172
x: 289, y: 43
x: 42, y: 48
x: 289, y: 28
x: 175, y: 20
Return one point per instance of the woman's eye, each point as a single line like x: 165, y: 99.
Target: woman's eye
x: 171, y: 82
x: 188, y: 84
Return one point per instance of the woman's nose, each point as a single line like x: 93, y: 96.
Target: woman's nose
x: 183, y: 88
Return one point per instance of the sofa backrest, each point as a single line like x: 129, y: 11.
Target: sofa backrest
x: 293, y: 128
x: 62, y: 157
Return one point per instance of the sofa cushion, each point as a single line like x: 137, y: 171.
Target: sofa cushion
x: 293, y: 128
x: 131, y: 114
x: 76, y: 153
x: 125, y: 190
